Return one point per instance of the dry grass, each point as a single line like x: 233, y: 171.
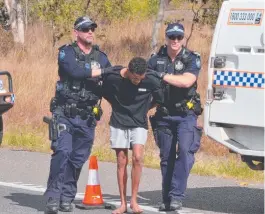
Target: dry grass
x: 34, y: 71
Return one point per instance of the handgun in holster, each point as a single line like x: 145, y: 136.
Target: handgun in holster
x: 55, y: 128
x: 52, y: 124
x: 153, y: 123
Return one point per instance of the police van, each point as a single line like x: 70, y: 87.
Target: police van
x: 234, y: 109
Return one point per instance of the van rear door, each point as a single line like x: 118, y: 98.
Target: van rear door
x: 236, y: 74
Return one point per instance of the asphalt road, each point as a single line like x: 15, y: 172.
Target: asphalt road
x: 23, y: 176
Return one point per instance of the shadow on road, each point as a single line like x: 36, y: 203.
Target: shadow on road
x: 28, y: 200
x: 237, y: 200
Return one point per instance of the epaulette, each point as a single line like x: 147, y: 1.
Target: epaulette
x: 96, y: 47
x: 186, y: 55
x: 66, y: 45
x: 196, y: 53
x: 162, y: 50
x: 152, y: 54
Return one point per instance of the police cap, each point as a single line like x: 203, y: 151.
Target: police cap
x: 175, y: 29
x: 84, y: 22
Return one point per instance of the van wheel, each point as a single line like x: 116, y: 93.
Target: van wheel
x: 1, y: 129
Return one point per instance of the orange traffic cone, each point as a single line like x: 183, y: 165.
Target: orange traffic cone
x: 93, y: 197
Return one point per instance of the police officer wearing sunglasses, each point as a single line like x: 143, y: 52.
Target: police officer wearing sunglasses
x: 77, y: 94
x: 175, y: 122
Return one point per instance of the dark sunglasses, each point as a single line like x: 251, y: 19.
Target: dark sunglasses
x: 173, y: 37
x: 86, y: 30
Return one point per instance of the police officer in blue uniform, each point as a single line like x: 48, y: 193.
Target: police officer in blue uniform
x: 73, y: 122
x: 175, y: 122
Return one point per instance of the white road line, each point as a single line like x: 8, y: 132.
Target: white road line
x: 35, y: 188
x: 19, y: 185
x: 38, y: 188
x: 147, y: 199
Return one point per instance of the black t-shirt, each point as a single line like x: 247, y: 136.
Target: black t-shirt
x: 130, y: 103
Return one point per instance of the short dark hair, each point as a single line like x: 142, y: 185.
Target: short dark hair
x: 138, y: 65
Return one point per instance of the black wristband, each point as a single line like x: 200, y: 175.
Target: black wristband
x: 162, y: 74
x: 102, y: 71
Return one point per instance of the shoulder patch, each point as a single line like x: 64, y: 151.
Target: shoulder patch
x: 61, y: 55
x: 198, y: 63
x: 197, y: 59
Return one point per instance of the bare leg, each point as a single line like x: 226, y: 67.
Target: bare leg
x: 122, y: 161
x: 137, y: 159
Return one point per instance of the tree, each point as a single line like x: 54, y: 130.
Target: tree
x: 60, y: 14
x: 4, y: 16
x: 157, y: 24
x: 196, y: 7
x: 204, y: 12
x: 16, y: 20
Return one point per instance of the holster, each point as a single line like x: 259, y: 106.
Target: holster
x: 198, y: 109
x: 153, y: 123
x: 55, y: 128
x: 52, y: 124
x: 162, y: 111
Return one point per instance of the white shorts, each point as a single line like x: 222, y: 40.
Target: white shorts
x: 126, y: 138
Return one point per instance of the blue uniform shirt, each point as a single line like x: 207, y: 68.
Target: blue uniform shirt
x: 179, y: 65
x: 69, y: 65
x: 185, y: 62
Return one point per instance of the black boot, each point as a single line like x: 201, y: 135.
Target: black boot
x: 52, y: 206
x: 164, y: 207
x: 175, y: 205
x: 66, y: 206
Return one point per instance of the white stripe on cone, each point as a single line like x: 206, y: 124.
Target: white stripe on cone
x: 93, y: 178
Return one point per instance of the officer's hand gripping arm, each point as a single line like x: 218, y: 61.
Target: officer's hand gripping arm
x: 104, y: 71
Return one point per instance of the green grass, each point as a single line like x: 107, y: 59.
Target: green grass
x: 26, y: 140
x: 228, y: 167
x: 231, y: 167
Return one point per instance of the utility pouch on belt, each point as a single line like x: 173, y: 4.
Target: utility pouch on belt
x: 53, y: 104
x: 98, y: 112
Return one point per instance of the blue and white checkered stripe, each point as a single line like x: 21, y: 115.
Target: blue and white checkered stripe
x: 238, y: 79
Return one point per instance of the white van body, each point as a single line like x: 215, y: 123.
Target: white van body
x: 234, y: 109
